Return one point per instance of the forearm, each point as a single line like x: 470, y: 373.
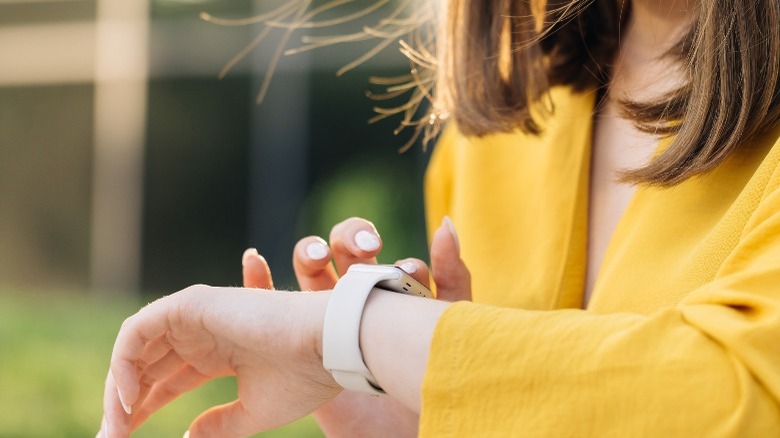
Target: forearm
x: 395, y: 336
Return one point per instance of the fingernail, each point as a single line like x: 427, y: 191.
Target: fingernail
x: 105, y: 428
x: 125, y: 406
x: 251, y: 252
x: 451, y: 227
x: 366, y: 240
x: 409, y: 267
x: 186, y: 434
x: 316, y: 251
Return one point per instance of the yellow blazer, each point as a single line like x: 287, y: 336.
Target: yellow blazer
x: 682, y: 334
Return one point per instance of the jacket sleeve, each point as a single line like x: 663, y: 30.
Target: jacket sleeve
x: 709, y: 366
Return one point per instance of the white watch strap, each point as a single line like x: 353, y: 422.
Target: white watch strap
x: 341, y: 353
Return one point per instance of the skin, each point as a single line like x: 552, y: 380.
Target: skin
x: 271, y: 341
x: 640, y: 72
x: 181, y: 341
x: 353, y: 414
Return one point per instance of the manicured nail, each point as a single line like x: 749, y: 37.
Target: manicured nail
x: 186, y: 434
x: 451, y: 227
x: 367, y: 241
x: 251, y: 252
x: 409, y: 267
x: 316, y: 250
x: 125, y: 406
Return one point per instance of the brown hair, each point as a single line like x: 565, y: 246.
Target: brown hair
x: 498, y: 59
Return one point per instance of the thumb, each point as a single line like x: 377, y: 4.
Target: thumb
x: 230, y: 420
x: 450, y: 274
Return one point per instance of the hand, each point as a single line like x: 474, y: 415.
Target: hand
x: 271, y: 341
x: 356, y: 241
x: 450, y: 274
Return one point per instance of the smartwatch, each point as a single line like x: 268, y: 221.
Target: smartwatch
x: 341, y: 353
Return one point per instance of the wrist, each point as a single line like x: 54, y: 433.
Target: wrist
x: 304, y: 315
x: 314, y: 305
x: 341, y: 332
x: 395, y: 337
x: 318, y: 304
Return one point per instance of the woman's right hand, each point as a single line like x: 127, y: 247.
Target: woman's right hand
x: 352, y: 241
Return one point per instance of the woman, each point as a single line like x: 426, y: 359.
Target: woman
x: 676, y: 262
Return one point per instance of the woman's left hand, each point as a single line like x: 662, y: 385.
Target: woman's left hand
x: 271, y: 342
x: 352, y: 241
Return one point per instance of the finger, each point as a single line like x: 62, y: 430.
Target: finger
x: 354, y: 240
x: 417, y: 269
x: 450, y: 274
x: 311, y: 262
x: 224, y: 421
x: 185, y: 379
x: 153, y: 352
x: 255, y: 270
x: 157, y: 372
x: 116, y: 422
x: 101, y: 433
x: 149, y: 323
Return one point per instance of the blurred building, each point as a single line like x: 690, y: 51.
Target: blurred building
x: 126, y: 165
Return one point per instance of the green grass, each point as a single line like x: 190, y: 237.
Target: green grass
x: 54, y: 351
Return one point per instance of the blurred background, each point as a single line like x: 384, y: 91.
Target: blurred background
x: 128, y: 170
